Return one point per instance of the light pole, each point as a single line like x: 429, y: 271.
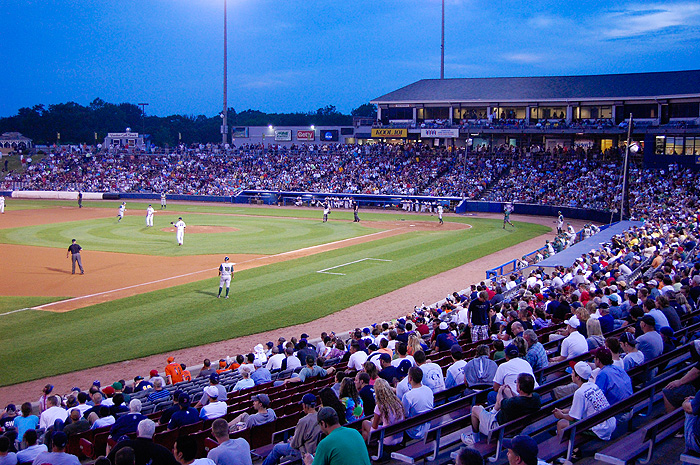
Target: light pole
x: 442, y: 44
x: 624, y: 167
x: 224, y: 124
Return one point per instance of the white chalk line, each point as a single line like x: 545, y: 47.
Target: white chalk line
x: 15, y: 311
x: 41, y: 307
x: 325, y: 270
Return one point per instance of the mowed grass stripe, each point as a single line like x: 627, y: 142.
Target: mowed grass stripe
x: 262, y: 299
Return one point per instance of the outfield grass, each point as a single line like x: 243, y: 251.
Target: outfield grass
x: 265, y: 298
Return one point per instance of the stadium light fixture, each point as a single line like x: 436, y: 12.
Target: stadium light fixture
x: 313, y: 127
x: 269, y: 126
x: 634, y: 147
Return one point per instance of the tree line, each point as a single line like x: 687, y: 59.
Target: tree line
x: 72, y: 123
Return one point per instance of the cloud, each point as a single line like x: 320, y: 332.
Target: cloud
x: 638, y: 20
x: 524, y: 58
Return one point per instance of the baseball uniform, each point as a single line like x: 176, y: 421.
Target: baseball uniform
x: 162, y: 201
x: 180, y: 234
x: 2, y: 204
x: 439, y: 208
x: 74, y: 249
x: 149, y: 216
x: 226, y: 273
x: 326, y: 211
x: 122, y: 209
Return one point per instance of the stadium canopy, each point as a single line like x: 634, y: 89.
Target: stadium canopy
x: 549, y: 88
x: 567, y: 256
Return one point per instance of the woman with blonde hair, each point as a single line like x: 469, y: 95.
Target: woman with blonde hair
x: 595, y: 334
x: 583, y: 315
x: 414, y: 345
x: 388, y: 410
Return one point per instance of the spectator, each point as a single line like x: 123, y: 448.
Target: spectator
x: 158, y: 393
x: 52, y: 413
x: 274, y: 362
x: 357, y: 356
x: 26, y: 421
x: 507, y: 373
x: 7, y: 457
x: 388, y: 371
x: 672, y: 317
x: 469, y: 456
x: 311, y: 370
x: 146, y: 451
x: 432, y: 373
x: 173, y: 371
x: 521, y: 450
x: 263, y: 414
x: 691, y: 407
x: 215, y: 408
x: 185, y: 415
x: 58, y: 455
x: 77, y: 424
x: 612, y: 380
x: 650, y: 342
x: 574, y: 344
x: 678, y: 390
x: 634, y: 357
x: 206, y: 369
x: 416, y: 401
x: 366, y: 392
x: 221, y: 391
x: 306, y: 435
x: 128, y: 423
x: 478, y: 316
x: 480, y: 371
x: 229, y: 451
x: 455, y: 372
x: 509, y: 406
x: 328, y: 398
x: 402, y: 353
x: 669, y: 340
x: 536, y: 354
x: 261, y: 374
x: 387, y: 411
x: 351, y: 400
x: 185, y: 452
x: 445, y: 339
x: 588, y: 400
x: 245, y: 382
x: 341, y: 445
x: 595, y: 334
x: 30, y: 448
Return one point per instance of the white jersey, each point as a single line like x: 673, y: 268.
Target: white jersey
x: 560, y: 221
x: 122, y: 209
x: 150, y: 211
x: 180, y: 225
x: 226, y: 270
x: 440, y: 210
x: 326, y: 210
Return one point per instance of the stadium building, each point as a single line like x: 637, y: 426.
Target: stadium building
x: 566, y: 111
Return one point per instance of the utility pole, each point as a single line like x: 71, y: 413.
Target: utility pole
x: 442, y: 44
x: 224, y: 114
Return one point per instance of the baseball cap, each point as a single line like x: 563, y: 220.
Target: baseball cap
x: 222, y: 363
x: 583, y: 369
x: 668, y: 332
x: 653, y: 282
x: 225, y: 259
x: 11, y: 408
x: 628, y: 338
x: 406, y: 365
x: 264, y: 399
x: 109, y: 390
x: 385, y: 357
x: 304, y: 336
x: 214, y: 377
x: 138, y: 378
x: 443, y: 326
x: 512, y: 351
x: 117, y: 386
x: 212, y: 392
x: 648, y: 319
x: 257, y: 363
x: 59, y: 439
x: 524, y: 446
x: 153, y: 373
x: 573, y: 322
x: 309, y: 399
x: 171, y: 359
x: 456, y: 348
x: 184, y: 398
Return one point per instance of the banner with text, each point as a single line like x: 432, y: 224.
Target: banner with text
x: 306, y: 135
x: 441, y: 133
x: 389, y: 133
x: 284, y: 135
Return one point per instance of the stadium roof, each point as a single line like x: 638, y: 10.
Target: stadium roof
x: 549, y: 88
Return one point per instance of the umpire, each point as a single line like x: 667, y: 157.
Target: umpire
x: 74, y: 251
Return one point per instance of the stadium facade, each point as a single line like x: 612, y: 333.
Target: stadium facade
x: 568, y: 111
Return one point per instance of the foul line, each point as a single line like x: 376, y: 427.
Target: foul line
x: 325, y: 270
x: 41, y: 307
x: 18, y: 310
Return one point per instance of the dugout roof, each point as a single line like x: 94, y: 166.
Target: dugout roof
x: 672, y: 84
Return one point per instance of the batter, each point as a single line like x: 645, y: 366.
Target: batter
x: 226, y: 273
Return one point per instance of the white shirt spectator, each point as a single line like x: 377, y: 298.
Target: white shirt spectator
x: 507, y: 373
x: 397, y: 361
x: 274, y: 362
x: 432, y: 377
x: 213, y: 410
x: 50, y: 415
x: 357, y: 360
x: 573, y: 345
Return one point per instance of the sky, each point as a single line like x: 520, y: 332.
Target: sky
x: 293, y: 55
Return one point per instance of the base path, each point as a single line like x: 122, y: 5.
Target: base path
x: 389, y: 306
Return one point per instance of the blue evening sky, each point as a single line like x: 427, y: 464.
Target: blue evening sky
x: 292, y: 55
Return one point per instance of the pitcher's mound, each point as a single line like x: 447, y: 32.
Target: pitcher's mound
x: 202, y: 229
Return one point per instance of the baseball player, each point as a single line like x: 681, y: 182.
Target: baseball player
x: 355, y: 208
x: 560, y: 223
x: 163, y: 203
x: 180, y: 234
x: 326, y: 211
x: 74, y: 251
x: 2, y: 204
x: 80, y: 199
x: 507, y: 208
x: 149, y: 216
x: 439, y: 210
x: 122, y: 209
x: 226, y: 273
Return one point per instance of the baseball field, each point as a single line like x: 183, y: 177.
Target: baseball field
x: 142, y: 294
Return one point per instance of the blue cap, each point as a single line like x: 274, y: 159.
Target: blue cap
x: 214, y: 377
x: 524, y: 446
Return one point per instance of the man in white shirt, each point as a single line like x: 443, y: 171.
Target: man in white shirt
x: 574, y: 344
x: 357, y: 357
x: 401, y: 350
x: 52, y: 413
x: 215, y: 408
x: 507, y: 373
x: 455, y: 372
x: 275, y: 360
x: 432, y: 373
x: 417, y: 400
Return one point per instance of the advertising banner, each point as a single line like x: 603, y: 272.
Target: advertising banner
x: 306, y: 135
x: 389, y: 133
x: 328, y: 135
x: 240, y: 132
x: 284, y: 135
x: 441, y: 133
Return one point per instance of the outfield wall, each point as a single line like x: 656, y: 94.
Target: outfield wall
x: 459, y: 205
